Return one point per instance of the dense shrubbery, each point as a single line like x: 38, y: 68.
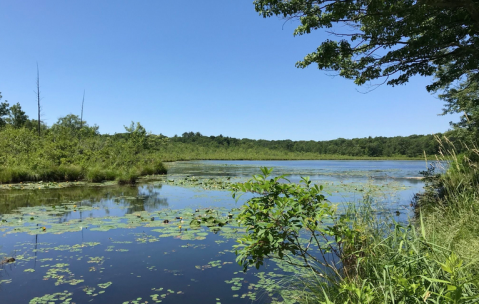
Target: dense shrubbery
x: 72, y: 150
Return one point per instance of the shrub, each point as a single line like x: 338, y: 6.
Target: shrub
x: 97, y: 174
x: 128, y: 177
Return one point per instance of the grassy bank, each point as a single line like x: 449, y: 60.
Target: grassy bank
x: 186, y: 151
x: 72, y: 150
x: 433, y: 259
x: 364, y: 255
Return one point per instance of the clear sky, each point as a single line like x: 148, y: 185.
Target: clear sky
x: 211, y: 66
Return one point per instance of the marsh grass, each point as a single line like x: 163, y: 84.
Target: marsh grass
x: 128, y: 176
x: 395, y: 263
x: 98, y: 174
x: 431, y: 259
x: 50, y: 173
x: 450, y: 204
x: 95, y: 174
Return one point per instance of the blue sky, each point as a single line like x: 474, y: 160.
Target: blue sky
x: 210, y: 66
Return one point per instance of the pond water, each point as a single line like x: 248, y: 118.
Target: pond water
x: 110, y: 244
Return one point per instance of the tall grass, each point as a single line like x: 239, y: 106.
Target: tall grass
x: 50, y: 173
x: 94, y: 174
x: 395, y: 263
x: 431, y: 259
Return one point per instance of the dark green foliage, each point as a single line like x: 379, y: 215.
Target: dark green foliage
x: 17, y: 117
x: 4, y: 111
x: 68, y: 151
x: 411, y: 146
x: 463, y: 98
x: 389, y: 39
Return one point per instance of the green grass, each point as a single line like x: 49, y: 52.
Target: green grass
x: 431, y: 259
x: 395, y: 263
x: 95, y: 174
x: 62, y: 154
x: 128, y: 176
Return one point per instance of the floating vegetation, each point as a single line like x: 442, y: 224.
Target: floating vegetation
x: 89, y: 290
x: 203, y: 183
x: 173, y: 272
x: 62, y: 275
x: 18, y: 222
x: 55, y: 298
x: 130, y: 236
x: 237, y: 283
x: 105, y: 285
x: 98, y: 260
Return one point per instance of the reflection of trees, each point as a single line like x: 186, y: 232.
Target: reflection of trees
x: 148, y: 199
x: 133, y: 198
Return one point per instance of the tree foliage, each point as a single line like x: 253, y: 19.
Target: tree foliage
x: 4, y: 111
x: 287, y: 220
x: 410, y: 146
x: 17, y: 117
x: 71, y: 149
x: 463, y: 98
x: 71, y: 125
x: 388, y: 39
x: 294, y: 223
x: 138, y: 137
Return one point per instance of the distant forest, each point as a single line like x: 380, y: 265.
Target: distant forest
x: 410, y: 146
x: 413, y: 146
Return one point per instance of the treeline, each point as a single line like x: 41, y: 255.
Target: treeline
x: 399, y: 146
x: 71, y: 149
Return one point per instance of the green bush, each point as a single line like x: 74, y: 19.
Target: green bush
x: 98, y: 174
x: 64, y: 152
x: 14, y: 175
x: 128, y: 176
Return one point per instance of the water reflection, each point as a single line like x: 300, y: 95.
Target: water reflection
x: 149, y: 254
x: 130, y: 198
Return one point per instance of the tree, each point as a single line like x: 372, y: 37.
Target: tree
x: 83, y: 102
x: 17, y: 117
x: 38, y: 100
x: 463, y: 98
x: 4, y: 110
x: 72, y: 125
x: 69, y: 121
x: 391, y: 40
x: 137, y: 137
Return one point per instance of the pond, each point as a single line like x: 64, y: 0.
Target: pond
x: 166, y: 239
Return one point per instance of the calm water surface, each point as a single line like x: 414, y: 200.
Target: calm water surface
x: 109, y: 244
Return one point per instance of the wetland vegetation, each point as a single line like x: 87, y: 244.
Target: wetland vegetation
x: 176, y: 233
x: 71, y: 150
x: 352, y: 232
x: 349, y: 235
